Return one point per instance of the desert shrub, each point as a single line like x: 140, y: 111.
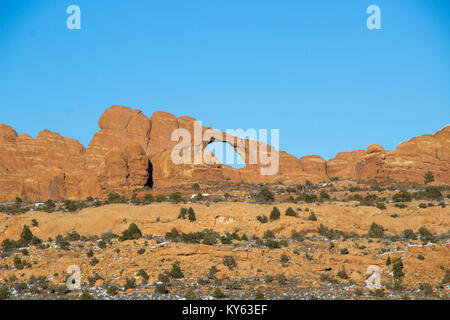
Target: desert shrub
x: 175, y: 197
x: 34, y: 223
x: 342, y: 273
x: 397, y: 268
x: 114, y: 197
x: 218, y: 294
x: 164, y: 278
x: 141, y: 251
x: 378, y: 293
x: 191, y: 214
x: 19, y: 264
x: 409, y: 234
x: 229, y: 262
x: 8, y: 245
x: 190, y: 295
x: 86, y: 296
x: 284, y: 258
x: 244, y: 237
x: 307, y: 197
x: 297, y: 236
x: 129, y: 283
x: 173, y: 235
x: 343, y: 251
x: 131, y: 233
x: 90, y: 253
x: 183, y: 213
x: 425, y: 234
x: 196, y: 187
x: 432, y: 192
x: 422, y: 205
x: 446, y: 279
x: 142, y: 273
x: 176, y: 272
x: 160, y: 198
x: 375, y: 231
x: 148, y: 198
x: 324, y: 196
x: 259, y: 295
x: 268, y: 234
x: 72, y: 236
x: 381, y: 206
x: 71, y: 205
x: 112, y: 290
x: 272, y: 244
x: 108, y: 236
x: 161, y: 288
x: 264, y: 195
x: 290, y: 212
x: 329, y: 233
x: 94, y: 261
x: 275, y: 214
x: 212, y: 272
x: 92, y: 280
x: 262, y: 219
x: 426, y: 288
x: 420, y: 257
x: 428, y: 177
x: 325, y: 277
x: 388, y: 261
x: 26, y: 236
x: 312, y: 216
x: 402, y: 196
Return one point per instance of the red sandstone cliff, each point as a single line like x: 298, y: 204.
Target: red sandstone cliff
x: 131, y: 151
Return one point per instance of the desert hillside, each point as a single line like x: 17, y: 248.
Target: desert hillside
x: 317, y: 243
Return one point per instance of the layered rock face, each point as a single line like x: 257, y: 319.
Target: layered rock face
x: 131, y: 151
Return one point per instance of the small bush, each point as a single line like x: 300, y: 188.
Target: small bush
x: 342, y: 274
x: 262, y: 219
x: 426, y: 288
x: 268, y: 234
x: 409, y: 234
x: 191, y: 214
x: 175, y: 197
x: 312, y: 216
x: 131, y: 233
x: 86, y: 296
x: 143, y: 274
x: 176, y: 272
x: 284, y: 258
x: 397, y: 268
x: 376, y: 231
x: 264, y: 195
x: 229, y: 262
x: 275, y: 214
x: 218, y: 294
x: 183, y: 213
x: 129, y: 283
x: 290, y: 212
x: 161, y: 288
x: 259, y: 295
x: 4, y: 293
x: 94, y: 261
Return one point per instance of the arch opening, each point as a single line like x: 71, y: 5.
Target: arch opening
x: 224, y: 153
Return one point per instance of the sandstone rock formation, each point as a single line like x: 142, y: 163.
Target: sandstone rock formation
x: 131, y: 151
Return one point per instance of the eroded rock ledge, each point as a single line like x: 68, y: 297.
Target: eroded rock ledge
x: 131, y: 151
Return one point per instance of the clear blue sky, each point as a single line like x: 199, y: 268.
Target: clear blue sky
x: 309, y: 68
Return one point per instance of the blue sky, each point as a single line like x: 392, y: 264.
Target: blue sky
x: 309, y: 68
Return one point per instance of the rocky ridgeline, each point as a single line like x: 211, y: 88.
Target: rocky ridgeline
x: 131, y: 151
